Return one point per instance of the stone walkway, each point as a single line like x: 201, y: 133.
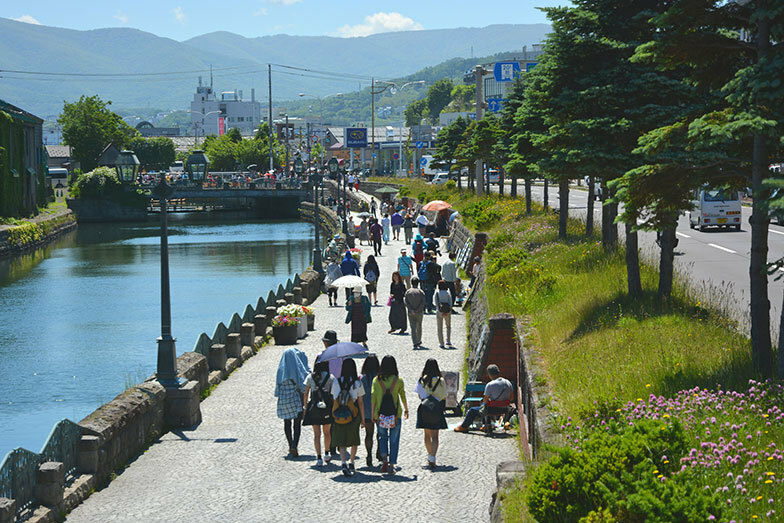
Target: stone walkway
x: 233, y: 467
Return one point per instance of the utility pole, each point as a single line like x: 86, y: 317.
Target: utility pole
x: 479, y: 168
x: 269, y: 82
x: 373, y: 126
x: 286, y: 169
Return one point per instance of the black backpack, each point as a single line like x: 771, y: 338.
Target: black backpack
x: 433, y: 272
x: 419, y: 247
x: 388, y: 407
x: 430, y: 410
x: 320, y: 404
x: 443, y: 306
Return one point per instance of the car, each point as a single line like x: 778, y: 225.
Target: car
x: 715, y: 207
x: 440, y: 179
x: 493, y: 176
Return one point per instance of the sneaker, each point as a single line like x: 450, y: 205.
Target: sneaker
x: 346, y: 472
x: 351, y: 468
x: 461, y: 428
x: 327, y: 457
x: 384, y: 467
x: 391, y: 470
x: 442, y: 346
x: 294, y: 453
x: 431, y: 464
x: 319, y: 462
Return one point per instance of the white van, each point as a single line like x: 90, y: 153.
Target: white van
x: 715, y: 207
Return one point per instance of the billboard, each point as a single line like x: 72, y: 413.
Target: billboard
x: 356, y: 137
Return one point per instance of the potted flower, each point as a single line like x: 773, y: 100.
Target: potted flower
x: 308, y: 311
x: 284, y: 329
x: 356, y: 253
x: 295, y: 311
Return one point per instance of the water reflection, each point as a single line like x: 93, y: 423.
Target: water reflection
x: 80, y: 318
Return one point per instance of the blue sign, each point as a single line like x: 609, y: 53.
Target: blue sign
x: 356, y: 137
x: 506, y: 71
x: 529, y: 66
x: 495, y: 105
x: 420, y: 145
x: 396, y: 156
x: 423, y: 162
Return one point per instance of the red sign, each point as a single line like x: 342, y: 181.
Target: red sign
x: 221, y: 126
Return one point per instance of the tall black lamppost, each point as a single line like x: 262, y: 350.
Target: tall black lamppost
x: 332, y: 165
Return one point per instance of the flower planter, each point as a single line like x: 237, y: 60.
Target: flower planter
x: 285, y: 335
x: 311, y: 322
x: 302, y: 328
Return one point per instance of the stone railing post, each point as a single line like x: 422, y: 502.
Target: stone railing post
x: 248, y: 334
x: 7, y: 510
x: 283, y: 303
x: 217, y: 359
x: 271, y: 313
x: 50, y: 484
x: 297, y: 292
x: 260, y: 323
x: 289, y: 298
x: 88, y: 459
x: 182, y: 407
x: 233, y: 345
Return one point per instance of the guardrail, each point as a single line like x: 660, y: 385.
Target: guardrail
x: 231, y: 181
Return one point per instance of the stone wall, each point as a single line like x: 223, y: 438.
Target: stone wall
x: 16, y: 239
x: 329, y: 220
x: 354, y: 199
x: 105, y: 211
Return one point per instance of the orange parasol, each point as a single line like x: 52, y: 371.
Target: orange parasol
x: 437, y: 205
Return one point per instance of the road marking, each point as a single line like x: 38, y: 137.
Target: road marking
x: 683, y: 235
x: 776, y: 232
x: 722, y: 248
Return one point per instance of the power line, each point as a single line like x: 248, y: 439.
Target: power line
x: 98, y: 75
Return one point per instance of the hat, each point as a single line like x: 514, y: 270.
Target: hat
x: 403, y: 250
x: 330, y: 337
x: 337, y: 237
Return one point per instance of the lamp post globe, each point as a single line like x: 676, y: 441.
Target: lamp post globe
x: 197, y: 165
x: 299, y: 166
x: 127, y: 165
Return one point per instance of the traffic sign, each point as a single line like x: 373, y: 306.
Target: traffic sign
x: 420, y: 145
x: 506, y: 71
x: 396, y: 156
x: 314, y: 138
x: 530, y: 65
x: 423, y: 161
x: 494, y: 105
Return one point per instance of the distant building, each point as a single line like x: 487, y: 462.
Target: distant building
x: 22, y: 165
x: 108, y: 157
x: 211, y: 114
x: 61, y: 157
x: 445, y: 119
x: 147, y: 130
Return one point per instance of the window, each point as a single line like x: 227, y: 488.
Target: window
x: 720, y: 195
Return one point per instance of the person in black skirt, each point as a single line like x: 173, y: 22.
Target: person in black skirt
x: 431, y: 389
x: 397, y: 308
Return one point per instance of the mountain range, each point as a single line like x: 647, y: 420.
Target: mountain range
x: 165, y: 72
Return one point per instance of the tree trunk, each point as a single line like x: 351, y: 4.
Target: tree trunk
x: 527, y: 183
x: 545, y: 202
x: 760, y: 305
x: 667, y: 245
x: 589, y: 216
x: 781, y: 343
x: 470, y: 178
x: 479, y: 184
x: 487, y: 179
x: 513, y: 188
x: 563, y: 207
x: 633, y: 282
x: 459, y: 181
x: 500, y: 182
x: 609, y: 227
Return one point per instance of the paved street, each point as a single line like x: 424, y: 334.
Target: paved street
x: 233, y: 467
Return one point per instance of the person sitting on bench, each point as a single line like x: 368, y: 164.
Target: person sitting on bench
x: 499, y: 393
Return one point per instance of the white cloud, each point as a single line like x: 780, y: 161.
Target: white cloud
x: 284, y: 2
x: 179, y: 14
x: 27, y: 19
x: 261, y: 11
x: 379, y: 23
x: 121, y: 17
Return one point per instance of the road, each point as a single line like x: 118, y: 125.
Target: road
x: 716, y: 260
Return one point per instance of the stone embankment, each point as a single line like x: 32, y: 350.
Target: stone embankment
x: 34, y: 233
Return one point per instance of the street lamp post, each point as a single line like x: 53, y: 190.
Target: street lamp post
x: 316, y: 179
x: 196, y: 127
x: 332, y: 165
x: 373, y: 92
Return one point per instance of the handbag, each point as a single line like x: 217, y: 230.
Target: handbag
x: 389, y: 301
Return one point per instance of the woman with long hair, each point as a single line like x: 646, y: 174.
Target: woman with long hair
x: 389, y: 406
x: 348, y: 413
x: 369, y: 372
x: 318, y: 411
x: 289, y: 386
x: 397, y: 308
x: 358, y: 307
x: 371, y: 273
x: 431, y: 389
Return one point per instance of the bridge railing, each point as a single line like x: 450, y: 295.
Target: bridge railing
x: 231, y: 180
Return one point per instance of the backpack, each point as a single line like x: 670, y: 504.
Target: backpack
x: 419, y: 247
x: 430, y: 411
x: 320, y: 404
x: 423, y: 272
x: 433, y: 272
x: 444, y: 307
x: 370, y: 276
x: 432, y: 244
x: 387, y: 407
x: 344, y: 409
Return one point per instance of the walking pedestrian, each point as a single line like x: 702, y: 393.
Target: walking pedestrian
x: 348, y: 412
x: 385, y: 224
x: 351, y: 231
x: 369, y: 372
x: 358, y: 316
x: 405, y: 266
x: 364, y: 232
x: 333, y: 273
x: 418, y: 248
x: 396, y: 220
x: 449, y: 275
x: 431, y: 389
x: 422, y: 222
x: 373, y: 207
x: 433, y: 277
x: 372, y: 274
x: 389, y: 407
x: 415, y: 304
x: 408, y: 228
x: 431, y: 244
x: 444, y: 314
x: 397, y: 308
x: 318, y: 411
x: 376, y: 232
x: 349, y: 267
x: 289, y: 387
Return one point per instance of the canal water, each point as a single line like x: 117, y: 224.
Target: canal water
x: 79, y: 319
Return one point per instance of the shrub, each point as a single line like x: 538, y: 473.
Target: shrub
x: 102, y: 184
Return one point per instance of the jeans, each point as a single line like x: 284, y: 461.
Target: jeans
x: 377, y: 245
x: 409, y: 235
x: 389, y: 441
x: 385, y: 235
x: 415, y: 321
x: 293, y: 439
x: 442, y: 318
x: 430, y: 290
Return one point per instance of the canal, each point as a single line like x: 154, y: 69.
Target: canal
x: 79, y: 318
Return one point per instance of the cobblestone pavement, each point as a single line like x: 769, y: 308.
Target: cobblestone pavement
x: 233, y: 467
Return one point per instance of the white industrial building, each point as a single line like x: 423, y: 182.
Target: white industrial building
x: 207, y: 110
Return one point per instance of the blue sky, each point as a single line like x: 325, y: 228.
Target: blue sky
x: 183, y: 19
